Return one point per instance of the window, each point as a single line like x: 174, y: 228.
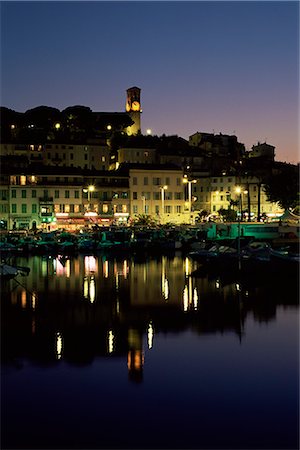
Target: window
x: 46, y: 193
x: 34, y: 208
x: 67, y: 194
x: 13, y: 208
x: 67, y: 208
x: 177, y: 195
x: 135, y: 209
x: 85, y: 157
x: 178, y: 209
x: 146, y: 209
x: 168, y: 181
x: 22, y: 180
x: 168, y: 195
x: 71, y: 155
x: 24, y: 208
x: 105, y: 208
x: 23, y: 193
x: 56, y: 194
x: 156, y: 181
x: 147, y: 195
x: 178, y: 181
x: 134, y: 181
x: 4, y: 194
x: 168, y: 209
x: 76, y: 208
x: 156, y: 209
x: 103, y: 158
x: 76, y: 194
x: 146, y: 181
x: 134, y: 196
x: 33, y: 193
x: 156, y: 195
x: 221, y: 197
x: 13, y: 193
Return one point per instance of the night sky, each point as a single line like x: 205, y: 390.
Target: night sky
x: 229, y: 67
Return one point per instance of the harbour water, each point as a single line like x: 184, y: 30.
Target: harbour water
x: 110, y: 351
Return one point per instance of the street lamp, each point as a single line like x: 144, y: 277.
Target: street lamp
x: 163, y: 188
x: 89, y: 189
x: 185, y: 180
x: 238, y: 191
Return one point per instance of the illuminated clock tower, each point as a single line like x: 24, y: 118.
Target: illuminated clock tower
x: 133, y: 108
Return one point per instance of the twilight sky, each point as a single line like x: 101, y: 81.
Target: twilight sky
x: 229, y: 67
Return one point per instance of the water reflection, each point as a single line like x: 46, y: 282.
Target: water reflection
x: 76, y: 309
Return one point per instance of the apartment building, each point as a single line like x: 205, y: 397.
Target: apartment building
x: 85, y: 156
x: 159, y: 192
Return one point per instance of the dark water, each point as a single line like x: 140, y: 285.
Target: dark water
x: 108, y: 352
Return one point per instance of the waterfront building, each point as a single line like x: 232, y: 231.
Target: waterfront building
x: 158, y: 192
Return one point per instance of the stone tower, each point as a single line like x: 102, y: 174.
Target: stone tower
x: 133, y: 108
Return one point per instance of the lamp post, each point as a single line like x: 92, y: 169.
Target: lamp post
x: 144, y: 204
x: 89, y: 189
x: 238, y: 190
x: 185, y: 180
x: 163, y: 188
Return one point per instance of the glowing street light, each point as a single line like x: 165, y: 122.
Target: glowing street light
x: 90, y: 188
x: 163, y: 188
x: 185, y: 180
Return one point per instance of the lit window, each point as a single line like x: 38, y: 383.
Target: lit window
x: 22, y: 180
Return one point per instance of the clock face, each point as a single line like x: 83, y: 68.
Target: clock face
x: 135, y: 106
x: 127, y: 106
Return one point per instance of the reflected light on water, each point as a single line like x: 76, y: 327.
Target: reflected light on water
x: 59, y: 345
x: 165, y: 289
x: 44, y: 267
x: 33, y: 300
x: 185, y: 298
x: 105, y: 269
x: 187, y: 265
x: 23, y: 299
x: 86, y: 287
x: 90, y: 264
x: 125, y: 269
x: 92, y: 289
x: 150, y: 335
x: 63, y: 267
x: 195, y: 299
x: 110, y: 341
